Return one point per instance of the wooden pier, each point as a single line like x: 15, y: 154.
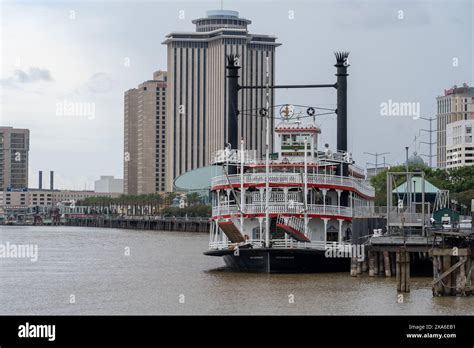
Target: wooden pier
x: 448, y: 254
x: 453, y: 265
x: 141, y: 223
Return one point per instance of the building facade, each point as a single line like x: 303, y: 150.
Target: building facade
x: 12, y: 201
x: 459, y: 144
x: 197, y: 93
x: 457, y: 104
x: 107, y: 183
x: 14, y: 152
x: 130, y: 142
x: 145, y: 138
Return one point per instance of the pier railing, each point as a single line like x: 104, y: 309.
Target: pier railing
x: 359, y: 185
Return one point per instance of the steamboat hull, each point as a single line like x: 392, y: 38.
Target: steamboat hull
x: 268, y: 260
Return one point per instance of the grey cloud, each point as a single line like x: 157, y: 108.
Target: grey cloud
x: 99, y: 83
x: 33, y: 74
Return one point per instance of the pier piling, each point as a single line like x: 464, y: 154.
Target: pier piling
x: 403, y: 271
x: 386, y: 257
x: 452, y: 271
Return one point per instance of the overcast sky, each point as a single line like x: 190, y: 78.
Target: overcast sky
x: 56, y: 51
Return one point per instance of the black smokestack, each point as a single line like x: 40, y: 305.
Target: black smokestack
x: 232, y: 104
x: 233, y: 97
x: 341, y: 65
x: 51, y: 180
x: 40, y: 179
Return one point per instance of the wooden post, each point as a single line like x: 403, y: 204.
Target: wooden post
x: 365, y: 263
x: 386, y: 257
x: 393, y: 262
x: 407, y: 271
x: 398, y: 273
x: 353, y: 266
x: 435, y: 275
x: 440, y: 271
x: 402, y: 271
x: 447, y: 280
x: 359, y: 267
x: 376, y: 263
x: 469, y: 275
x: 371, y: 264
x: 381, y: 268
x: 461, y: 282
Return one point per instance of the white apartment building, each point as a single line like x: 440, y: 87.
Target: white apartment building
x: 108, y: 184
x: 459, y: 144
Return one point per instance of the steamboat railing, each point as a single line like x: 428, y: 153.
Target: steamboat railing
x: 281, y: 244
x: 234, y: 156
x: 295, y: 223
x: 359, y: 185
x: 278, y: 208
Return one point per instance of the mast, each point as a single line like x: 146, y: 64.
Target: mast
x: 305, y: 187
x: 267, y: 159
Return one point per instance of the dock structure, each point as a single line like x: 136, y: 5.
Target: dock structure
x: 453, y: 266
x: 447, y: 255
x: 400, y: 240
x: 183, y: 224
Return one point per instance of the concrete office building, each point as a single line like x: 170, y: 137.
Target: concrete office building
x: 459, y: 144
x: 144, y: 143
x: 108, y: 184
x: 26, y: 198
x: 197, y: 93
x: 457, y: 104
x: 14, y: 150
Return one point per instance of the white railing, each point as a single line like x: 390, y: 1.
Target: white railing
x: 295, y: 223
x: 233, y: 156
x: 278, y: 208
x: 360, y: 185
x: 357, y: 169
x: 275, y: 197
x: 250, y: 157
x: 282, y: 244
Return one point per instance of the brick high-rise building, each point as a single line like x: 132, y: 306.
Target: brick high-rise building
x: 144, y: 141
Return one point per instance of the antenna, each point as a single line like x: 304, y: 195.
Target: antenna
x: 430, y: 143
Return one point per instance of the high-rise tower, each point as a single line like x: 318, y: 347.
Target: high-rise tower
x: 197, y: 94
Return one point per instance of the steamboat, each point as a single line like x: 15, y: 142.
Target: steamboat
x: 289, y: 210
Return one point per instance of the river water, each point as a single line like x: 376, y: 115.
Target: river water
x: 116, y: 271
